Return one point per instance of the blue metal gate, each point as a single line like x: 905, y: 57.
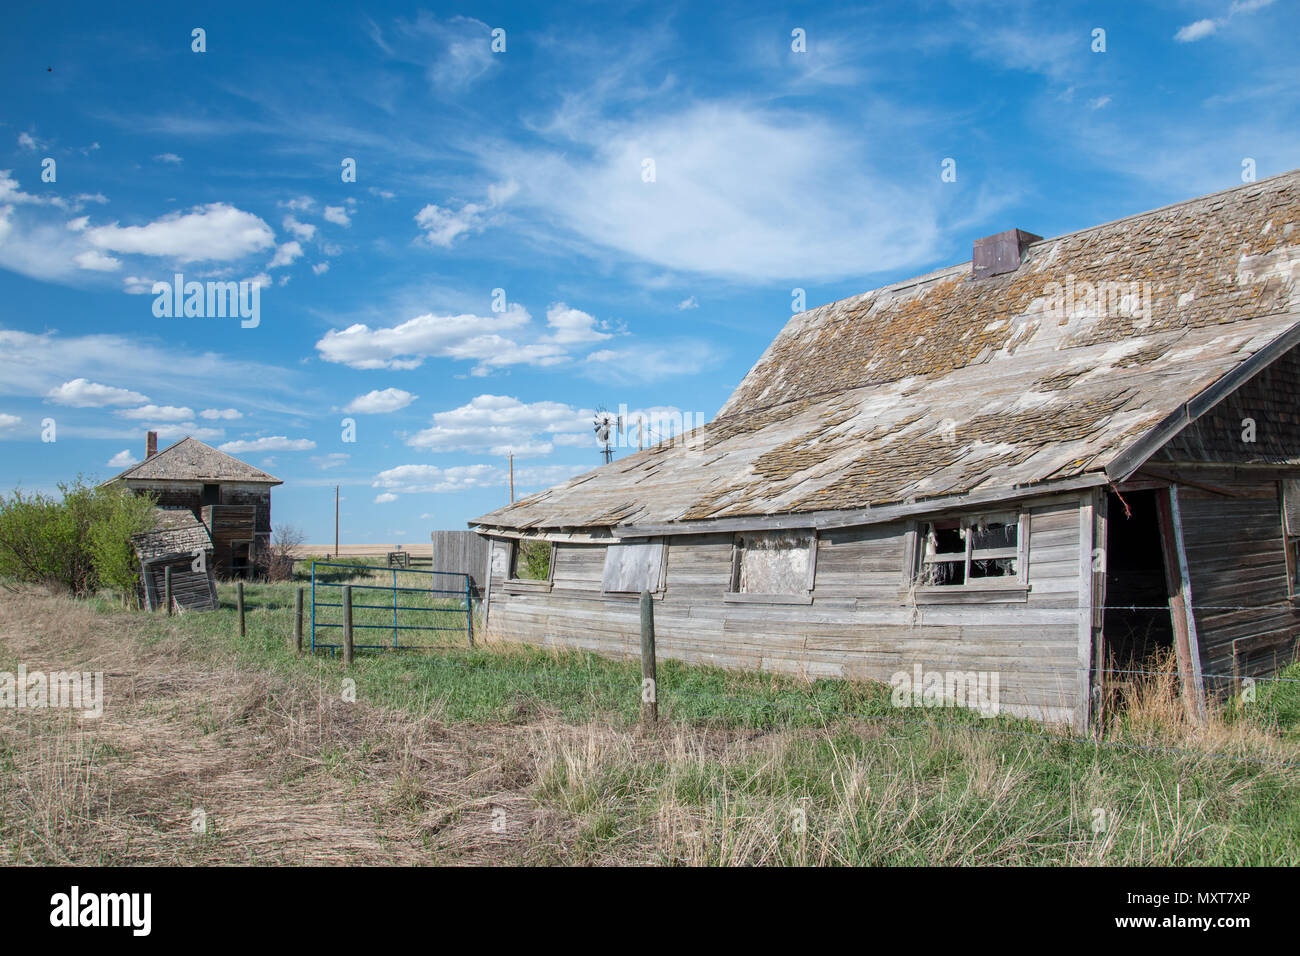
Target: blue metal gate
x: 448, y: 594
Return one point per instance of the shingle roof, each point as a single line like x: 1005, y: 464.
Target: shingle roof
x: 175, y: 530
x: 946, y: 385
x: 191, y: 460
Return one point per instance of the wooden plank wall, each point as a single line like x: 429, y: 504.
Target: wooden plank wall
x: 1237, y: 559
x: 227, y: 524
x: 191, y: 590
x: 859, y: 624
x: 462, y: 552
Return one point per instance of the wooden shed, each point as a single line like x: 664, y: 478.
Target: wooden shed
x: 230, y: 497
x: 178, y: 541
x: 1044, y: 464
x: 461, y: 552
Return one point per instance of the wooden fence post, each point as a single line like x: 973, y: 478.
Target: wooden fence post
x: 469, y: 610
x: 167, y: 588
x: 296, y: 643
x: 347, y: 624
x: 649, y: 686
x: 239, y: 603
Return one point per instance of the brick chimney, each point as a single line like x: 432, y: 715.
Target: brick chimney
x: 150, y: 445
x: 996, y: 254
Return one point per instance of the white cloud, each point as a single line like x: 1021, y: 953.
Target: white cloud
x: 811, y: 204
x: 573, y: 326
x: 689, y: 303
x: 28, y: 142
x: 1197, y: 30
x: 137, y: 285
x: 1200, y: 29
x: 429, y: 479
x: 502, y: 425
x: 303, y: 230
x: 649, y: 363
x: 8, y: 421
x: 407, y: 345
x: 286, y: 254
x: 215, y: 414
x: 186, y: 430
x: 320, y: 268
x: 168, y: 158
x: 333, y: 460
x: 337, y: 215
x: 385, y: 498
x: 159, y: 413
x: 379, y: 402
x: 80, y: 393
x: 216, y: 231
x: 96, y: 261
x: 1099, y: 103
x: 301, y: 204
x: 442, y: 226
x: 273, y: 443
x: 122, y: 460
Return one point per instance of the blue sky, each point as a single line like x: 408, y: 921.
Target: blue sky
x: 647, y: 185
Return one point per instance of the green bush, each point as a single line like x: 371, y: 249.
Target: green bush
x: 79, y: 544
x: 534, y: 560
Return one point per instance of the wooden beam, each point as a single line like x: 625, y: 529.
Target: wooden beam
x: 1186, y: 646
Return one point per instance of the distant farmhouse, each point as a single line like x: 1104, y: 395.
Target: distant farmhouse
x: 1044, y: 463
x: 230, y: 498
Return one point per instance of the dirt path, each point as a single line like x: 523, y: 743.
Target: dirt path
x: 281, y: 772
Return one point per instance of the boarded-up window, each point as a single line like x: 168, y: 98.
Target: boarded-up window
x: 633, y: 567
x: 501, y: 558
x: 1291, y: 526
x: 774, y: 562
x: 979, y: 551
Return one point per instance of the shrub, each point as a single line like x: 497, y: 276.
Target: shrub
x: 78, y: 544
x: 534, y: 560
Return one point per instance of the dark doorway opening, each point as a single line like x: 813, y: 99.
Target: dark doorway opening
x: 1137, y: 626
x: 211, y: 495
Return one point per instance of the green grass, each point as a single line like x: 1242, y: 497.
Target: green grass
x: 873, y: 785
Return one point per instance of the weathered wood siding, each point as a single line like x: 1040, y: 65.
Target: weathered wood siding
x: 859, y: 624
x: 1271, y: 399
x: 1236, y: 560
x: 461, y: 552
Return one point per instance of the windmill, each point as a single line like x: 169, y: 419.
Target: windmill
x: 605, y: 427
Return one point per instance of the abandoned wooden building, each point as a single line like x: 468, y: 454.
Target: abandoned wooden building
x: 1043, y: 463
x: 231, y: 498
x: 178, y: 541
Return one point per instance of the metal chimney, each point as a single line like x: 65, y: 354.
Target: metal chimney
x: 996, y: 254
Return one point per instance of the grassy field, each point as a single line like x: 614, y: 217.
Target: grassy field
x: 511, y: 754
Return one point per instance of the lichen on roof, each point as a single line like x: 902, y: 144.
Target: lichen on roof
x: 945, y: 384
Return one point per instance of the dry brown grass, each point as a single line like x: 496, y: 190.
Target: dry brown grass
x: 284, y: 771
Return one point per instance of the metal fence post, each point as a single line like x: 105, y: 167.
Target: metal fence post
x: 649, y: 686
x: 295, y: 643
x: 313, y: 607
x: 394, y: 608
x: 239, y: 602
x: 347, y: 624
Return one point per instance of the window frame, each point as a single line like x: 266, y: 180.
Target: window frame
x: 998, y: 589
x: 514, y: 584
x: 735, y: 596
x: 1290, y: 540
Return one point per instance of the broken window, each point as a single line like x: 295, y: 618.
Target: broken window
x: 633, y: 567
x: 773, y: 562
x: 532, y: 560
x: 977, y: 551
x: 1291, y: 528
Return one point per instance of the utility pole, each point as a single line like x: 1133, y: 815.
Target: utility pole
x: 336, y: 521
x: 640, y: 422
x: 512, y: 477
